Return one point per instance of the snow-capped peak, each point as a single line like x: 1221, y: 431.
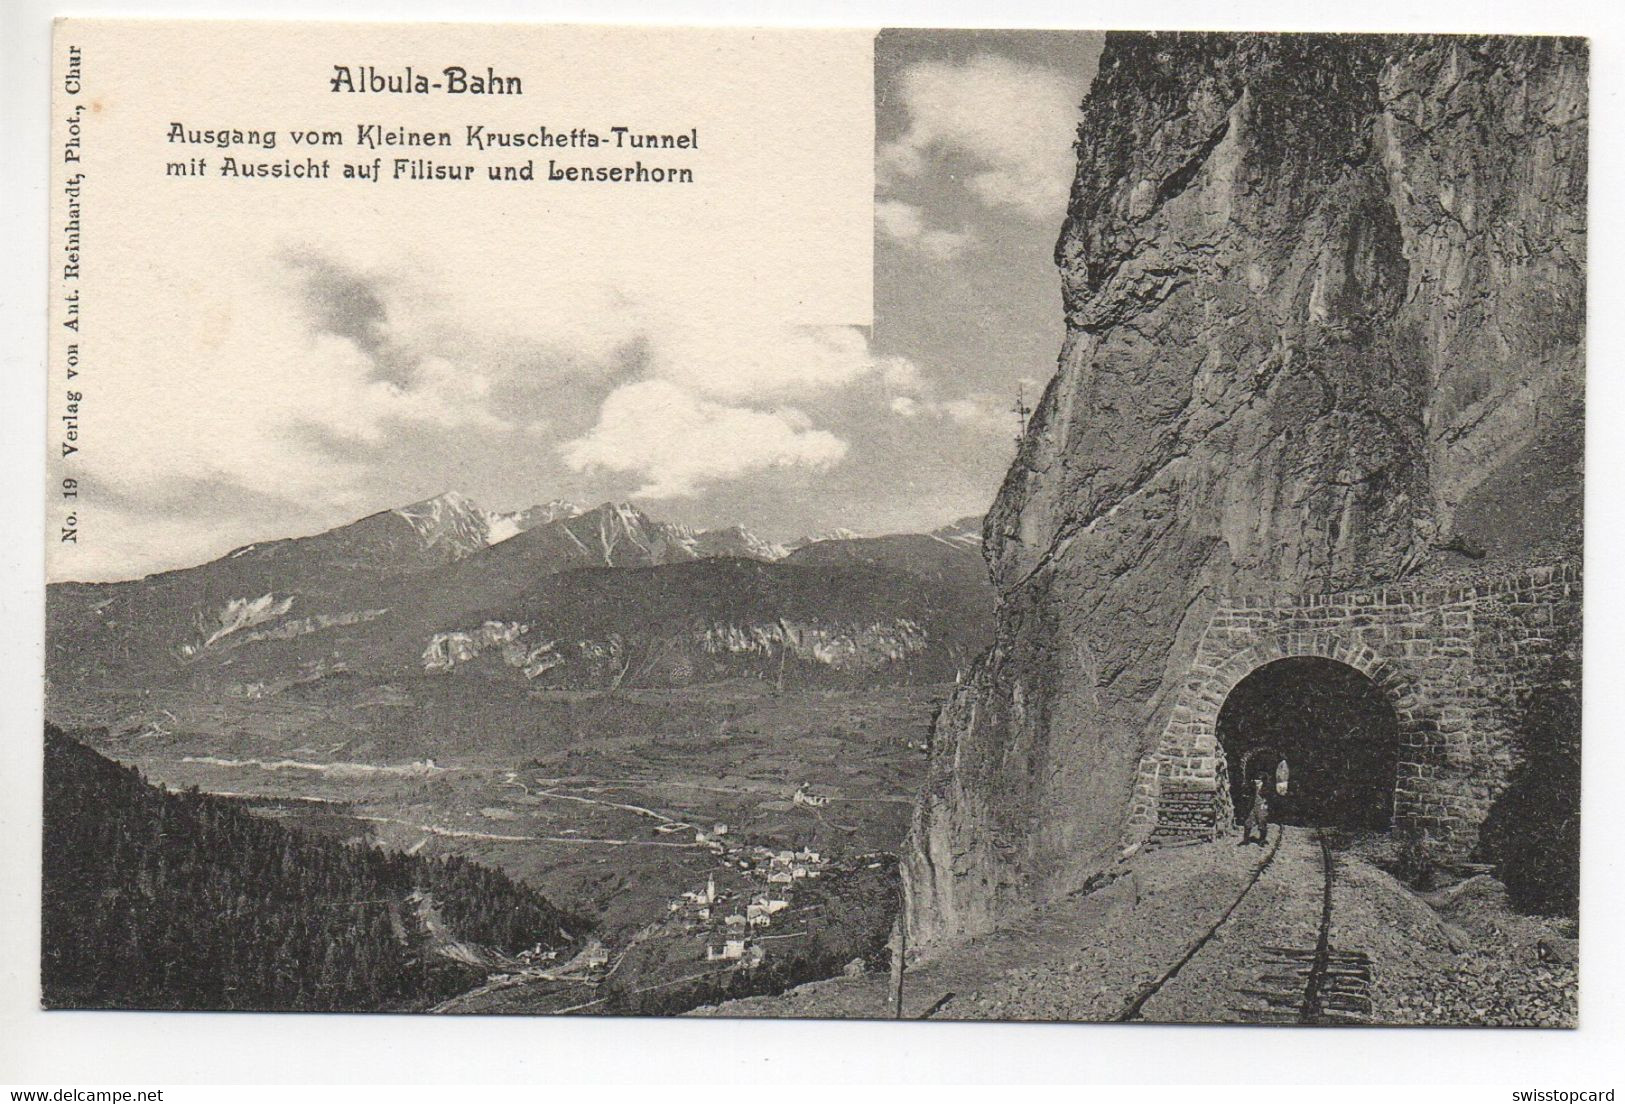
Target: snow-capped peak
x: 966, y: 531
x: 826, y: 535
x: 737, y: 541
x: 450, y: 518
x: 510, y: 523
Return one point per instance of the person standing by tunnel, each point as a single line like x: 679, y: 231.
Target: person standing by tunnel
x: 1258, y: 816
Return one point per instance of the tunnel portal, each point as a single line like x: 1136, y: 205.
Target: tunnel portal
x: 1334, y: 729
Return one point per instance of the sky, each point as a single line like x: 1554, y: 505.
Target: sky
x: 364, y: 383
x: 974, y: 158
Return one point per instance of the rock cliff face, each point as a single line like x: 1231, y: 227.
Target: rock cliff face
x: 1325, y: 324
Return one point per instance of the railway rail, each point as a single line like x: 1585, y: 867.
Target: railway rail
x: 1317, y: 985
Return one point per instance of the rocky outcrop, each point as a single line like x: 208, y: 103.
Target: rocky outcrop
x: 236, y: 614
x: 446, y: 650
x: 233, y: 624
x: 1325, y: 324
x: 303, y: 626
x: 679, y: 656
x: 843, y: 648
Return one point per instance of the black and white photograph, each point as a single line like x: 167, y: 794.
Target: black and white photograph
x: 1226, y: 671
x: 1023, y: 526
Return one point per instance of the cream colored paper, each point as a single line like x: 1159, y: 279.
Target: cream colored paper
x: 758, y: 212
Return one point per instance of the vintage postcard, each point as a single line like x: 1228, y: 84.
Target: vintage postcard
x: 929, y: 524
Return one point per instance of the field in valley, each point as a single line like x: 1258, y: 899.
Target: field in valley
x: 594, y: 798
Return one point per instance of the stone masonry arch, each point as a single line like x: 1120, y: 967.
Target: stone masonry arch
x: 1216, y: 688
x: 1450, y: 658
x: 1334, y: 726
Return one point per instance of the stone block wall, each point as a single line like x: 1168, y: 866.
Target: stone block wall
x: 1455, y: 660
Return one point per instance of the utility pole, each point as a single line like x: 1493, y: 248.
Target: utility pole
x: 899, y: 954
x: 1021, y: 410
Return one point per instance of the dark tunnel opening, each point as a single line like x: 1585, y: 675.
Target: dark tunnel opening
x: 1334, y: 730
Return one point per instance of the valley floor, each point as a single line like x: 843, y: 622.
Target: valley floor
x: 1219, y: 933
x: 613, y: 806
x: 605, y: 803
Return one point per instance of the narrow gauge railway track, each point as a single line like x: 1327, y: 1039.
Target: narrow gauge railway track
x: 1314, y: 995
x: 1136, y: 1004
x: 1318, y: 985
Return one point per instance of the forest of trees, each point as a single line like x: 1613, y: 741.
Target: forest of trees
x: 1532, y: 834
x: 155, y: 899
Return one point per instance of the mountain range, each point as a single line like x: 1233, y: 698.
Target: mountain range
x: 557, y: 593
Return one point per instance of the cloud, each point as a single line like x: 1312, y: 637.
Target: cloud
x: 904, y: 223
x: 1013, y: 122
x: 349, y: 304
x: 710, y: 404
x: 678, y: 442
x: 980, y: 413
x: 323, y: 368
x: 765, y: 363
x: 358, y: 382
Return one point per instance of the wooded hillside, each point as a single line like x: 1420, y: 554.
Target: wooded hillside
x: 155, y: 899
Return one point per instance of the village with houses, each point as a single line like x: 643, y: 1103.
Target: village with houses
x: 763, y: 902
x: 742, y: 906
x: 736, y: 918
